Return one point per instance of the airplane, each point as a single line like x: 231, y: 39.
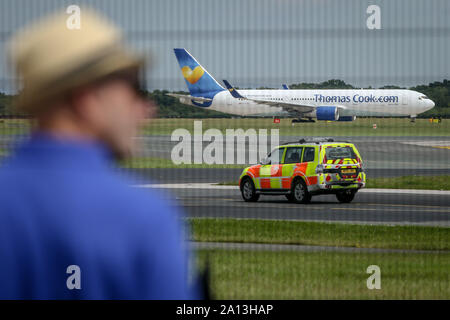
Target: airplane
x: 303, y: 105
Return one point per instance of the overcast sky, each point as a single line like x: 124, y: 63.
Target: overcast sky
x: 270, y: 42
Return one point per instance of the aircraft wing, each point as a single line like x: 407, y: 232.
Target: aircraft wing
x: 300, y: 108
x: 303, y: 108
x: 197, y: 99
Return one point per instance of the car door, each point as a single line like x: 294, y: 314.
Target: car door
x: 292, y: 159
x: 269, y: 174
x: 309, y: 164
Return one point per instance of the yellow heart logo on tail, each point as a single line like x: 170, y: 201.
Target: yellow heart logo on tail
x: 192, y: 75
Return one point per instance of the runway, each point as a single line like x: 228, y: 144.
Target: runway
x: 390, y: 208
x: 408, y: 154
x: 205, y: 175
x: 299, y: 248
x: 403, y: 153
x: 382, y: 156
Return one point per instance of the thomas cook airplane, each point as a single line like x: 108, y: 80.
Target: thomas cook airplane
x: 304, y: 105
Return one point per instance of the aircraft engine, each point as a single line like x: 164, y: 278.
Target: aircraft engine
x: 327, y: 113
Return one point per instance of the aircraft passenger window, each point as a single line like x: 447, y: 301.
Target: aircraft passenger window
x: 308, y: 155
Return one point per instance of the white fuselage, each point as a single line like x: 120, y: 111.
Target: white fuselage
x: 362, y: 102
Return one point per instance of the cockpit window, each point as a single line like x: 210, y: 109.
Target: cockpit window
x: 423, y: 97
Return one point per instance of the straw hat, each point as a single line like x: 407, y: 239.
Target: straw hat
x: 51, y: 59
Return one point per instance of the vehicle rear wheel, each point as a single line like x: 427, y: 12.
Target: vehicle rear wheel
x: 248, y: 190
x: 346, y: 196
x: 299, y: 192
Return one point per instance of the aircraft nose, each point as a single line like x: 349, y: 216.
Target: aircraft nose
x: 431, y: 104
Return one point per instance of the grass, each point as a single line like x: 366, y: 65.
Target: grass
x: 14, y: 126
x: 441, y: 182
x: 320, y: 275
x: 320, y: 234
x: 360, y: 127
x: 244, y: 274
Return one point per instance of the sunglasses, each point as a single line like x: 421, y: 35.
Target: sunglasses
x: 134, y: 77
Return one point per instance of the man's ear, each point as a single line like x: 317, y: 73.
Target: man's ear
x: 81, y: 100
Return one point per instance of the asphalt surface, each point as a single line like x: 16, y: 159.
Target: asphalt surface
x: 405, y: 153
x: 367, y: 208
x: 195, y: 175
x: 299, y: 248
x: 383, y: 157
x: 410, y: 155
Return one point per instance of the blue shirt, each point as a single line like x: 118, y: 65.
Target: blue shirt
x: 63, y: 204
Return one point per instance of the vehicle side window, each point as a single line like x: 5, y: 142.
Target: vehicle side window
x: 308, y: 155
x: 293, y: 155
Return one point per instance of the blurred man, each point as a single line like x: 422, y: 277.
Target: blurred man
x: 70, y: 226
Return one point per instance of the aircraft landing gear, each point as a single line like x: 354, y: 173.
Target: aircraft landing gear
x: 413, y: 118
x: 302, y: 120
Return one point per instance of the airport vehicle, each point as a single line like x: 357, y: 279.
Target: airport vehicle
x: 302, y: 169
x: 303, y: 105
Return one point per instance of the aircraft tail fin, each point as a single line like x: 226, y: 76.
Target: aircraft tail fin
x: 198, y: 80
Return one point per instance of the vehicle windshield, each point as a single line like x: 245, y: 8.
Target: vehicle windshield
x: 275, y: 156
x: 334, y: 153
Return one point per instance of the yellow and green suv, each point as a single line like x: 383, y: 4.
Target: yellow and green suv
x: 305, y: 168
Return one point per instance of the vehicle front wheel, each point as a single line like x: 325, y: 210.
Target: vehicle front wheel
x: 248, y: 190
x: 299, y: 192
x: 346, y: 196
